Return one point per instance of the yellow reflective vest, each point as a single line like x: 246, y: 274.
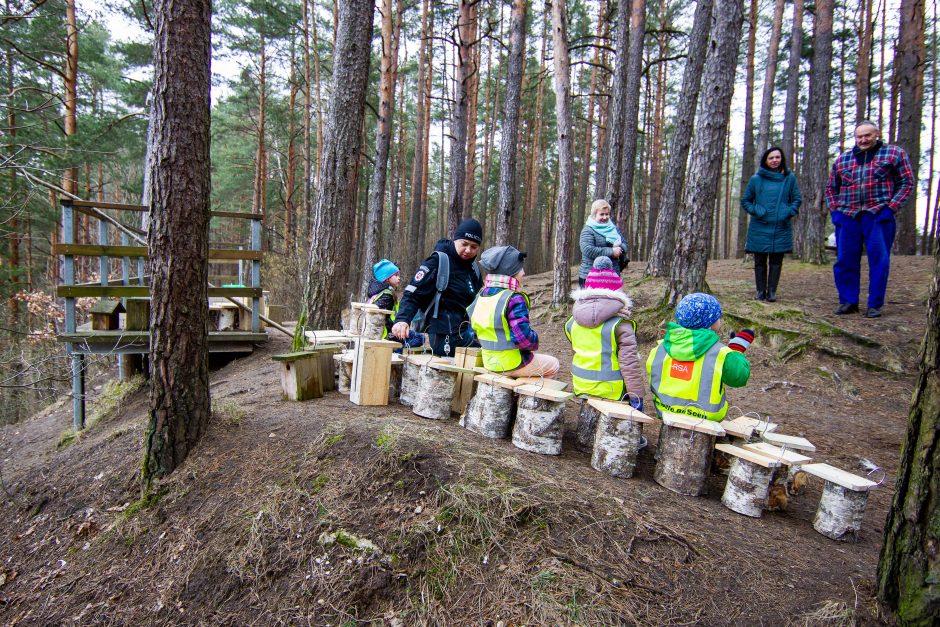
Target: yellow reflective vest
x: 692, y: 388
x: 595, y: 369
x: 489, y: 322
x: 391, y: 292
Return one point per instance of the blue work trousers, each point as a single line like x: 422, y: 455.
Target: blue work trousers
x: 874, y: 230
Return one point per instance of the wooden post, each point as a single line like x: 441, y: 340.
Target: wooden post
x: 492, y: 409
x: 78, y: 391
x: 684, y: 454
x: 372, y: 367
x: 465, y: 357
x: 411, y: 377
x: 344, y: 372
x: 394, y: 382
x: 538, y: 427
x: 842, y: 505
x: 587, y: 422
x: 748, y: 482
x: 617, y: 437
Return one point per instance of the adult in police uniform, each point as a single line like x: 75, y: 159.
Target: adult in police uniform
x: 450, y: 329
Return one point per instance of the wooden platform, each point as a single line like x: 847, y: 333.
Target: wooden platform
x: 86, y: 342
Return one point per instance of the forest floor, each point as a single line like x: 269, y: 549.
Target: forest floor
x: 323, y: 512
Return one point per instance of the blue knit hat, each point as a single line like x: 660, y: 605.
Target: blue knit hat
x: 384, y: 269
x: 698, y: 311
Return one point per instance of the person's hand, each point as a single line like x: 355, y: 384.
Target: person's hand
x: 741, y: 340
x: 400, y: 330
x: 618, y: 251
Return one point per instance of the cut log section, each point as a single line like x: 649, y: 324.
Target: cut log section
x: 616, y: 444
x: 683, y: 458
x: 411, y: 377
x: 394, y: 382
x: 700, y: 425
x: 789, y: 441
x: 435, y: 391
x: 491, y: 410
x: 344, y: 371
x: 588, y: 416
x: 789, y: 480
x: 539, y: 423
x: 842, y: 504
x: 748, y: 483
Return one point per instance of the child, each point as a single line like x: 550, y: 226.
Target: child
x: 500, y: 319
x: 690, y: 367
x: 603, y: 337
x: 381, y: 293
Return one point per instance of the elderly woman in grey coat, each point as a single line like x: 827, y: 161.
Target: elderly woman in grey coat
x: 600, y: 238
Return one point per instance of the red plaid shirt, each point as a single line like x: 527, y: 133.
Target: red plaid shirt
x: 869, y: 181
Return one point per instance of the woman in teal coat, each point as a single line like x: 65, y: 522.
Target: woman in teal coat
x: 772, y: 198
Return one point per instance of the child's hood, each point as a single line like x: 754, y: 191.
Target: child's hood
x: 688, y: 344
x: 375, y: 287
x: 593, y: 306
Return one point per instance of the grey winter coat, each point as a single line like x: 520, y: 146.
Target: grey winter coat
x: 594, y: 307
x: 593, y: 245
x: 772, y: 199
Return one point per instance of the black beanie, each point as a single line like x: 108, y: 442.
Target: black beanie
x: 469, y: 229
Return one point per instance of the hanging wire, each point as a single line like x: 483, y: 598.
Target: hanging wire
x: 884, y: 474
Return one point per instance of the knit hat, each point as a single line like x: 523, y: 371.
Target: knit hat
x: 698, y: 311
x: 469, y: 229
x: 602, y: 276
x: 384, y: 270
x: 505, y: 260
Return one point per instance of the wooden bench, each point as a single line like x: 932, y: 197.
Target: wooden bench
x: 617, y: 437
x: 539, y: 423
x: 789, y: 480
x: 842, y: 504
x: 788, y: 441
x: 748, y: 484
x: 492, y: 409
x: 411, y: 376
x: 744, y: 427
x: 435, y: 391
x: 685, y: 451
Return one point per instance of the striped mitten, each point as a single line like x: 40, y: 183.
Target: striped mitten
x: 741, y: 340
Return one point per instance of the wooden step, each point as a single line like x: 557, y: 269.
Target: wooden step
x: 700, y: 425
x: 840, y: 477
x: 622, y: 411
x: 788, y: 457
x: 748, y: 455
x: 789, y: 441
x: 545, y: 393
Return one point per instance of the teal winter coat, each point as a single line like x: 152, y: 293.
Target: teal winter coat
x: 772, y: 199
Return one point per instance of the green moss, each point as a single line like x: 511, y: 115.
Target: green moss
x: 147, y: 501
x: 384, y: 441
x: 67, y: 438
x: 319, y: 482
x: 111, y: 397
x: 333, y: 439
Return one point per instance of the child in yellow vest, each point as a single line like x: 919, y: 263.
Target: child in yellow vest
x: 381, y: 292
x: 690, y: 367
x: 605, y: 363
x: 500, y: 319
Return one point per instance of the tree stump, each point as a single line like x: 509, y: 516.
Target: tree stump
x: 616, y: 444
x: 587, y: 422
x: 490, y: 411
x: 435, y: 392
x: 842, y: 505
x: 394, y: 381
x: 344, y: 374
x: 747, y: 487
x: 683, y: 459
x: 411, y: 378
x: 374, y: 326
x: 538, y: 426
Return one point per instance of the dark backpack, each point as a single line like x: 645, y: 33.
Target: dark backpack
x: 422, y: 318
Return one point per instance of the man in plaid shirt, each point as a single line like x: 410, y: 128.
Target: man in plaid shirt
x: 867, y: 185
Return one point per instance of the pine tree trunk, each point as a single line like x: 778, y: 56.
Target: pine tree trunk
x: 178, y: 236
x: 911, y: 60
x: 473, y: 91
x: 631, y: 111
x: 792, y: 107
x: 506, y: 205
x: 419, y: 171
x: 809, y: 225
x: 562, y: 221
x: 70, y: 83
x: 661, y: 254
x: 926, y: 241
x: 863, y: 68
x: 585, y: 176
x: 609, y: 187
x: 909, y: 567
x: 747, y: 165
x: 291, y: 177
x: 698, y: 201
x: 330, y: 237
x: 308, y: 112
x: 770, y: 74
x: 466, y: 27
x: 658, y: 134
x: 383, y: 140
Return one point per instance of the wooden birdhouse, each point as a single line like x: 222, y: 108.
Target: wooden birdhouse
x: 105, y: 314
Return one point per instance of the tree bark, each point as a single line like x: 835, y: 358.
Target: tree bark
x: 466, y: 27
x: 660, y: 259
x: 419, y: 169
x: 584, y: 179
x: 506, y: 205
x: 609, y: 186
x: 383, y: 139
x: 911, y: 60
x: 866, y: 25
x: 330, y: 237
x: 178, y: 237
x: 698, y: 201
x: 809, y: 225
x: 631, y: 111
x: 308, y: 112
x: 70, y: 83
x: 770, y: 74
x: 473, y: 91
x: 562, y: 266
x: 748, y: 153
x: 792, y: 107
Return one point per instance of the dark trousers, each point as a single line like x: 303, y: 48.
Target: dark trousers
x: 767, y: 268
x: 876, y: 232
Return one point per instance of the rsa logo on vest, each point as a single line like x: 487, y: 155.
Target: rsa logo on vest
x: 681, y: 370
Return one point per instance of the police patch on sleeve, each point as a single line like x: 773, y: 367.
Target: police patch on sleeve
x: 419, y: 275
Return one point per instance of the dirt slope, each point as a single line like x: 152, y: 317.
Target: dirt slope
x: 326, y: 513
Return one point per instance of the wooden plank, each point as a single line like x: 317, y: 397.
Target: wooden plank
x: 791, y: 458
x: 693, y: 424
x: 94, y: 204
x: 326, y: 336
x: 449, y: 367
x: 111, y: 336
x: 492, y: 378
x: 125, y: 291
x: 789, y: 441
x: 839, y: 477
x: 748, y: 455
x: 745, y: 426
x: 372, y: 370
x: 98, y: 250
x: 249, y: 292
x: 545, y: 393
x: 420, y: 359
x: 465, y: 387
x: 295, y: 356
x: 553, y: 384
x: 242, y: 215
x: 622, y: 411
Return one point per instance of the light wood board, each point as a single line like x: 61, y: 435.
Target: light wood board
x: 553, y: 384
x: 788, y: 457
x: 840, y: 477
x: 372, y: 369
x: 747, y: 455
x: 693, y: 424
x: 789, y: 441
x: 498, y: 380
x: 622, y: 411
x: 544, y: 393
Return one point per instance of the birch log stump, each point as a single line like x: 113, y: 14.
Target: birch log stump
x: 394, y: 381
x: 748, y: 481
x: 344, y: 374
x: 374, y: 325
x: 411, y: 378
x: 490, y: 411
x: 616, y: 444
x: 539, y: 421
x: 683, y: 459
x: 587, y: 421
x: 842, y: 505
x: 435, y: 392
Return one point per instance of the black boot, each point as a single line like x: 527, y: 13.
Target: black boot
x: 773, y: 278
x: 760, y: 275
